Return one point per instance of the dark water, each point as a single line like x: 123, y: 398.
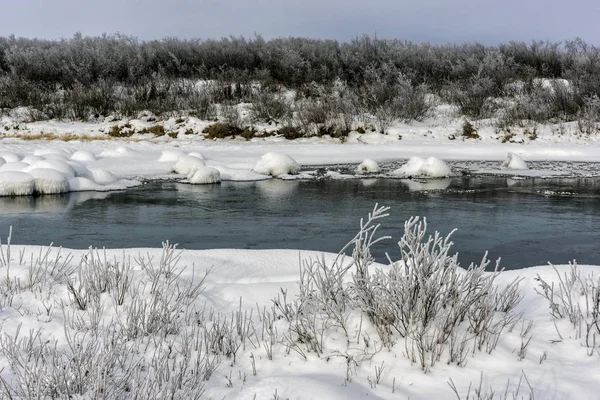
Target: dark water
x: 526, y: 222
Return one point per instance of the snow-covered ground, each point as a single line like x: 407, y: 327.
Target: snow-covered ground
x: 555, y: 357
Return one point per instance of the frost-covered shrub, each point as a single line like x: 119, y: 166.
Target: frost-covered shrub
x: 267, y: 107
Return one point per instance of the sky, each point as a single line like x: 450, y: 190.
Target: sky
x: 435, y: 21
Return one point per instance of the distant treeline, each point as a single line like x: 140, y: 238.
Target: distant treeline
x: 121, y: 73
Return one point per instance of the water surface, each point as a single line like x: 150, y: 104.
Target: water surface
x: 526, y: 222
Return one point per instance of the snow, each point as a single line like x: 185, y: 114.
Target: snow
x: 367, y: 166
x: 171, y: 155
x: 49, y: 181
x: 15, y: 183
x: 431, y: 167
x: 13, y: 166
x: 101, y: 176
x: 185, y: 164
x: 10, y: 157
x: 276, y: 164
x: 83, y: 156
x: 513, y: 161
x: 203, y: 175
x: 58, y: 165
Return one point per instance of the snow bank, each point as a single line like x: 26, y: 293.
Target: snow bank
x: 367, y: 166
x: 186, y: 164
x: 49, y: 181
x: 431, y: 168
x: 204, y: 175
x: 513, y: 161
x: 15, y: 183
x: 276, y: 164
x: 83, y: 156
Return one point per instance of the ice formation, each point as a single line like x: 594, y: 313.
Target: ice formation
x: 276, y: 164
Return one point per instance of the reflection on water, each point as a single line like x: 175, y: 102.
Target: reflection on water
x: 524, y: 221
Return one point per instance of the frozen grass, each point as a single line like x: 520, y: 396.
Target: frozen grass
x: 116, y: 324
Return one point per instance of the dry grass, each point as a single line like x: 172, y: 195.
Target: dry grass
x: 67, y: 137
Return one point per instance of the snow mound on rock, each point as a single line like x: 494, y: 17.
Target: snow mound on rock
x: 186, y: 164
x: 204, y: 175
x: 15, y: 183
x: 171, y: 155
x: 58, y: 165
x: 513, y: 161
x: 431, y: 168
x: 14, y: 166
x: 367, y: 166
x: 276, y: 164
x: 10, y: 157
x: 196, y: 154
x: 49, y: 181
x: 101, y: 176
x: 239, y: 175
x: 83, y: 156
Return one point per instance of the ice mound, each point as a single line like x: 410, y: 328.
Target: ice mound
x: 10, y: 157
x: 15, y: 183
x: 431, y: 168
x: 513, y: 161
x: 49, y: 181
x: 101, y: 176
x: 171, y: 155
x: 276, y: 164
x: 14, y: 166
x: 203, y: 175
x: 83, y: 156
x: 367, y: 166
x: 186, y: 163
x: 58, y: 165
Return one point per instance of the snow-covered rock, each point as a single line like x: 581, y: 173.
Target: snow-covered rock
x: 10, y: 157
x: 14, y: 166
x: 83, y: 156
x: 16, y: 183
x: 58, y: 165
x: 367, y: 166
x: 513, y: 161
x: 49, y: 181
x: 430, y: 168
x: 203, y: 175
x: 101, y: 176
x: 171, y: 155
x: 185, y: 164
x: 276, y: 164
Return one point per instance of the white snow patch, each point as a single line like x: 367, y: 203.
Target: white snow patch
x: 30, y: 159
x: 431, y: 168
x: 101, y: 176
x: 14, y: 166
x: 49, y: 181
x: 10, y: 157
x: 239, y: 175
x: 367, y: 166
x: 196, y: 154
x: 171, y: 155
x: 15, y: 183
x: 58, y: 165
x: 83, y: 156
x: 204, y: 175
x: 276, y: 164
x: 513, y: 161
x: 186, y: 164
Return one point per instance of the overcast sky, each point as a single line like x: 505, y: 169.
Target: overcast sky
x: 436, y: 21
